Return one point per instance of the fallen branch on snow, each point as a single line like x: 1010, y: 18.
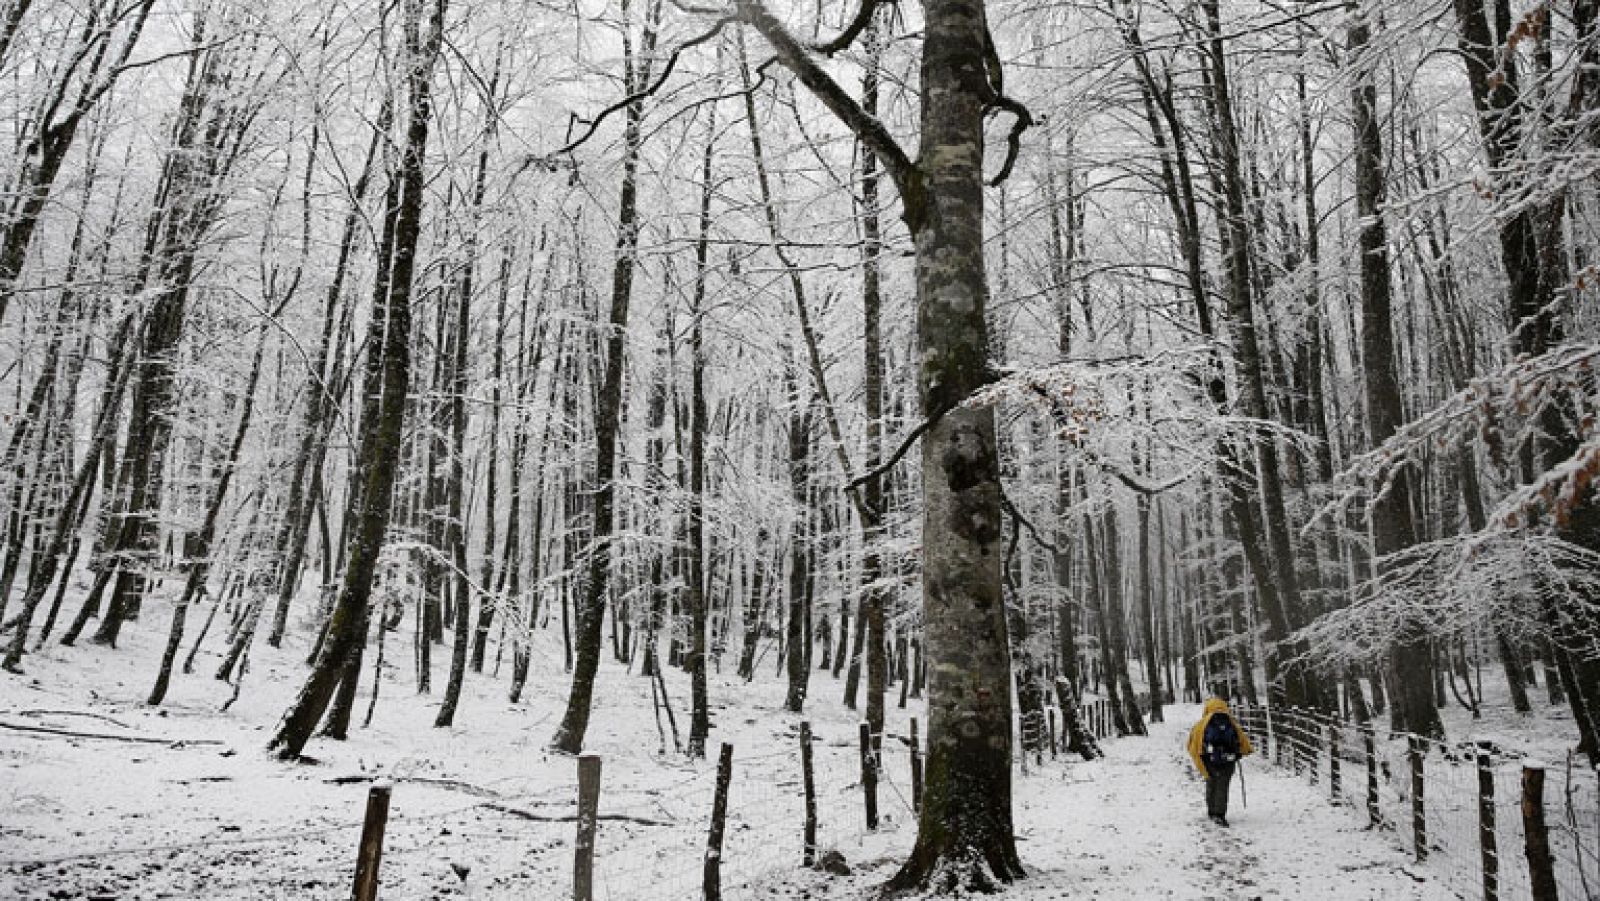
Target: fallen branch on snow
x: 141, y: 739
x: 573, y: 817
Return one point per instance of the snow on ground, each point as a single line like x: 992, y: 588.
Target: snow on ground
x: 1133, y: 826
x: 483, y: 811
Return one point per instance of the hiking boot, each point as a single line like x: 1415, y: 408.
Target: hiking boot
x: 1221, y: 820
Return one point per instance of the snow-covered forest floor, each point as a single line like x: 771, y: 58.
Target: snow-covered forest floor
x: 196, y: 808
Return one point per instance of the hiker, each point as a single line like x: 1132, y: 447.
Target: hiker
x: 1216, y: 743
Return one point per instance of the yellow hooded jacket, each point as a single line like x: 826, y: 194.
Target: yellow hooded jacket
x: 1213, y: 707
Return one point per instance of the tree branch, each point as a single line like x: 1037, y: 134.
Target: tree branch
x: 572, y: 817
x: 867, y: 129
x: 1023, y: 121
x: 1133, y: 484
x: 998, y: 100
x: 106, y: 736
x: 1017, y: 517
x: 905, y: 445
x: 548, y: 160
x: 852, y: 31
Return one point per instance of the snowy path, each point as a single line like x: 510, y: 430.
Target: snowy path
x: 1142, y: 817
x: 1134, y: 827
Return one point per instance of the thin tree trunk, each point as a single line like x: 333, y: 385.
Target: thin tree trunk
x: 799, y: 553
x: 590, y: 615
x: 458, y: 430
x: 321, y: 399
x: 200, y: 562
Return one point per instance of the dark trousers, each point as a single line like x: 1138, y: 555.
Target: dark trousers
x: 1217, y: 789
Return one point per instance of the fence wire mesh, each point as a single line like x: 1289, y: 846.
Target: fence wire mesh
x: 1468, y: 830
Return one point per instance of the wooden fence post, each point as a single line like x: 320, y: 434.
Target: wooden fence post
x: 916, y: 768
x: 869, y: 777
x: 1295, y: 739
x: 1335, y: 784
x: 1415, y: 750
x: 1286, y: 754
x: 1291, y: 730
x: 1541, y: 867
x: 1274, y: 749
x: 1374, y: 817
x: 370, y: 851
x: 1486, y: 835
x: 1310, y: 731
x: 711, y: 882
x: 588, y: 819
x: 810, y: 856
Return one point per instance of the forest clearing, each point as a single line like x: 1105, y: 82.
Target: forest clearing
x: 852, y: 449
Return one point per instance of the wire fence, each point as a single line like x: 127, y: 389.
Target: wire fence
x: 1468, y: 811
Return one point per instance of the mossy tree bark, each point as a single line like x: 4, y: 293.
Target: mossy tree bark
x: 964, y: 837
x: 386, y: 380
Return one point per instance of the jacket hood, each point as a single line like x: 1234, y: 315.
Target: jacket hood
x: 1213, y: 707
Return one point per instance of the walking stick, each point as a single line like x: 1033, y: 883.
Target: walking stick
x: 1244, y: 799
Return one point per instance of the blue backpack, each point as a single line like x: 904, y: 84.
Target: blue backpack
x: 1221, y: 741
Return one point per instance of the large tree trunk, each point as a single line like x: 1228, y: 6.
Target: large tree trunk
x: 964, y: 835
x: 385, y: 384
